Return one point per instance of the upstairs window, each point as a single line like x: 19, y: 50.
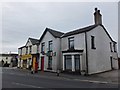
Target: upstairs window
x: 50, y: 45
x: 114, y: 46
x: 37, y: 48
x: 111, y: 46
x: 21, y: 51
x: 26, y: 50
x: 30, y: 49
x: 71, y: 43
x: 93, y: 42
x: 43, y: 47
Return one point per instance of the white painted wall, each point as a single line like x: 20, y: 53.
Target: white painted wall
x: 6, y: 58
x: 79, y: 44
x: 56, y: 48
x: 99, y: 58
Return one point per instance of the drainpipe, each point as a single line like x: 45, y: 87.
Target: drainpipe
x: 86, y: 73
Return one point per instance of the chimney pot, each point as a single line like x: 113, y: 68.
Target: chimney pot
x: 95, y: 9
x: 99, y: 11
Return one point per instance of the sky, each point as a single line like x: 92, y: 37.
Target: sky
x: 21, y: 20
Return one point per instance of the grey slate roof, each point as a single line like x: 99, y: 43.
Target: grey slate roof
x: 85, y: 29
x: 56, y: 34
x: 34, y: 41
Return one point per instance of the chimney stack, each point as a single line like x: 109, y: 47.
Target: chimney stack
x: 97, y: 17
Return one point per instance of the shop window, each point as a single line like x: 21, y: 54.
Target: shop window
x: 77, y: 62
x: 68, y: 62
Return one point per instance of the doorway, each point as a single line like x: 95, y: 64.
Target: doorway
x: 111, y: 63
x: 42, y: 63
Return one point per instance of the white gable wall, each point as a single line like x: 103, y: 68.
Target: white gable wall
x: 34, y: 49
x: 28, y: 43
x: 56, y: 48
x: 99, y: 58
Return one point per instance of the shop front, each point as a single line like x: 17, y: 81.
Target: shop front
x: 72, y: 62
x: 26, y: 61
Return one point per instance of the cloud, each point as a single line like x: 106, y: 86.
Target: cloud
x: 22, y: 20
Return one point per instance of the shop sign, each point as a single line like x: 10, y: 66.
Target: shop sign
x: 24, y: 57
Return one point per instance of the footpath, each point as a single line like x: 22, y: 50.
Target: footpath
x: 112, y: 77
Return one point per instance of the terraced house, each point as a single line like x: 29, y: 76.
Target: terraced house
x: 85, y: 51
x: 28, y: 54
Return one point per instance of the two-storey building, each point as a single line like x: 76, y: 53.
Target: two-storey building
x: 50, y: 50
x: 29, y: 54
x: 89, y: 50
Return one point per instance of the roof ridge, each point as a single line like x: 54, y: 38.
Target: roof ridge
x: 80, y: 30
x: 54, y: 30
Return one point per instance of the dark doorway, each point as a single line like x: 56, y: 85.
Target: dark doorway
x: 42, y: 63
x: 111, y: 63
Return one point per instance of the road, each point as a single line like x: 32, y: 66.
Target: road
x: 14, y: 78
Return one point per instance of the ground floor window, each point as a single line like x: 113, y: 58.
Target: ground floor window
x: 50, y: 62
x: 68, y: 62
x: 72, y: 62
x: 77, y: 62
x: 24, y: 63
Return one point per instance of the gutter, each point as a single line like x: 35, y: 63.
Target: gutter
x: 86, y: 73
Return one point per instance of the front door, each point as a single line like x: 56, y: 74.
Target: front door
x: 111, y: 62
x: 42, y: 63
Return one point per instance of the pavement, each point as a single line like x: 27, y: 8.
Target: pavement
x: 22, y: 78
x: 112, y: 77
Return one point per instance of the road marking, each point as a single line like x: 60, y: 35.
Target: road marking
x: 27, y: 85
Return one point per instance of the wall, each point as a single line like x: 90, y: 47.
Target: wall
x: 56, y: 45
x: 99, y: 58
x: 79, y: 44
x: 6, y: 58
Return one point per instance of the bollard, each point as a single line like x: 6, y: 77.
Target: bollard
x: 58, y: 72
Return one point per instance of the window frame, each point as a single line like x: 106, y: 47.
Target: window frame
x: 26, y: 49
x: 70, y: 39
x: 43, y: 47
x: 111, y: 47
x: 65, y: 60
x: 50, y: 45
x: 114, y: 47
x: 93, y: 42
x: 50, y: 63
x: 30, y: 49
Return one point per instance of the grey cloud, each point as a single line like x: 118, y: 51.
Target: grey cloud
x: 23, y: 20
